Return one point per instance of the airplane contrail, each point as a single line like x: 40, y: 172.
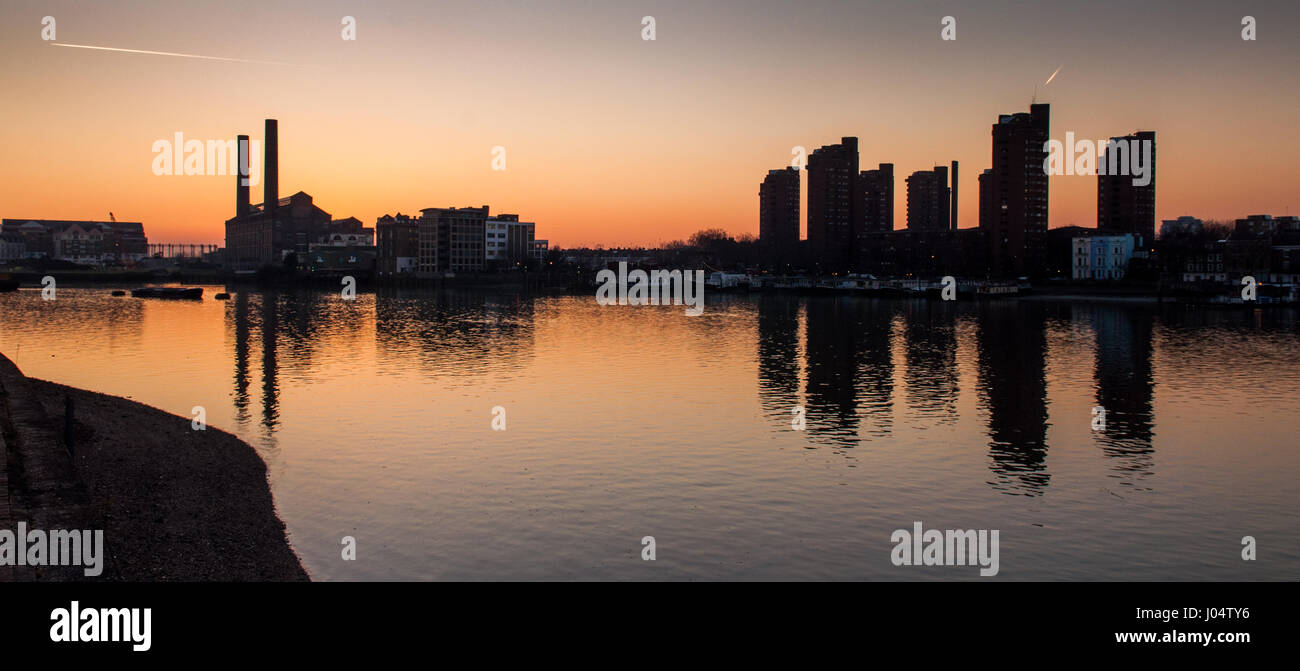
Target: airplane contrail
x: 168, y: 53
x: 1049, y: 79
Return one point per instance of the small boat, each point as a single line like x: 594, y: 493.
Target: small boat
x: 119, y: 292
x: 168, y: 292
x: 222, y: 296
x: 8, y: 284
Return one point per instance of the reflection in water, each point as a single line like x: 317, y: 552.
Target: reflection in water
x: 1012, y: 362
x: 453, y: 333
x: 850, y: 372
x: 270, y: 337
x: 850, y: 369
x: 778, y: 356
x: 930, y: 338
x: 629, y: 419
x: 1125, y: 388
x: 241, y: 328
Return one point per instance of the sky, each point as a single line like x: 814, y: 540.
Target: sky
x: 616, y: 140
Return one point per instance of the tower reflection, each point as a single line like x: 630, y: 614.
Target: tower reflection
x: 1012, y: 344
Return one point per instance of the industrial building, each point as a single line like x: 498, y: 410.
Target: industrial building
x: 277, y: 230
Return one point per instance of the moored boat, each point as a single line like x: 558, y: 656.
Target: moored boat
x: 168, y: 292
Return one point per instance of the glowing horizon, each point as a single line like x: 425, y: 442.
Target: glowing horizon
x: 615, y: 140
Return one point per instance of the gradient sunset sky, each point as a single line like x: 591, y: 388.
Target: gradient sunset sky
x: 615, y: 140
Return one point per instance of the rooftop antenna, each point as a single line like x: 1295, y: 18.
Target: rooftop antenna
x: 1034, y: 100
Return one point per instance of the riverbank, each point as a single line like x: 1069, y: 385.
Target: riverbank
x: 175, y: 504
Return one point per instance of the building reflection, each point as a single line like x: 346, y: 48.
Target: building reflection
x: 930, y: 347
x: 850, y: 370
x: 270, y: 328
x: 778, y: 355
x: 442, y: 333
x: 241, y: 327
x: 1125, y: 388
x: 454, y: 333
x: 291, y: 327
x: 848, y: 375
x: 1012, y: 344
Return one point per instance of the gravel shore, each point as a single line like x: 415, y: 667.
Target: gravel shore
x: 176, y: 504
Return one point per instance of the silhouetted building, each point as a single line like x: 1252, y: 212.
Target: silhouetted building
x: 952, y: 209
x: 12, y: 247
x: 986, y: 200
x: 539, y: 249
x: 347, y: 246
x: 1263, y: 225
x: 1013, y: 193
x: 928, y: 200
x: 1184, y: 225
x: 875, y: 203
x: 1061, y: 251
x: 778, y: 209
x: 269, y: 232
x: 922, y: 253
x: 398, y: 243
x: 348, y: 232
x: 508, y: 241
x: 1122, y: 206
x: 89, y: 242
x: 452, y: 239
x: 833, y: 215
x: 876, y: 198
x: 1260, y: 246
x: 323, y: 258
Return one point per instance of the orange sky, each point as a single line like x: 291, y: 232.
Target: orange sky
x: 612, y: 139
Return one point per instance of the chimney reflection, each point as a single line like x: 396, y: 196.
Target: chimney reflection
x: 270, y: 386
x: 241, y: 357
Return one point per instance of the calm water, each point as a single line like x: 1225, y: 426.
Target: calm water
x: 374, y: 417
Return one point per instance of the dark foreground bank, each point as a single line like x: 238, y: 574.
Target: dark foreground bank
x: 175, y: 504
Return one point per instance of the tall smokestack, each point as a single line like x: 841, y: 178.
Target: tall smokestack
x: 271, y: 174
x: 952, y: 211
x: 241, y: 177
